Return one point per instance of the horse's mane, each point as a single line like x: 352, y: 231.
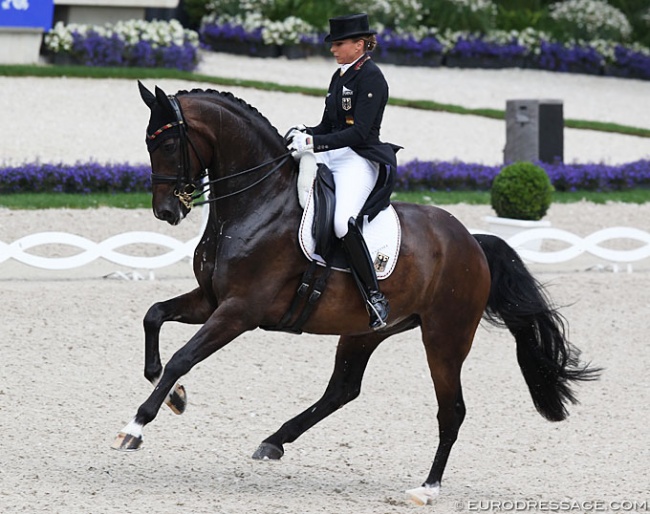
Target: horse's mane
x: 237, y: 102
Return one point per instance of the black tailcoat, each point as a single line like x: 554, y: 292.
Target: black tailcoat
x: 354, y: 108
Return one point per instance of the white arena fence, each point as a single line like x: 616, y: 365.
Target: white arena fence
x: 573, y: 246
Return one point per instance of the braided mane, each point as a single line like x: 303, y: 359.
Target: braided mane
x: 235, y: 101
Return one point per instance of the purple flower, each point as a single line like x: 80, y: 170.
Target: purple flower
x: 93, y: 177
x: 444, y: 176
x: 630, y: 63
x: 478, y: 46
x: 560, y: 57
x: 81, y: 178
x: 390, y: 40
x: 91, y: 49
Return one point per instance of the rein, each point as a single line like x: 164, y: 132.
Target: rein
x: 282, y: 159
x: 188, y: 190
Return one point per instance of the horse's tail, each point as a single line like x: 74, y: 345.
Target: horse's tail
x: 518, y: 301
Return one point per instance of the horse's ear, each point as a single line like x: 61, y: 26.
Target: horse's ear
x: 163, y: 100
x: 147, y: 96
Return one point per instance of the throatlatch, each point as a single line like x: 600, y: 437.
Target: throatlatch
x: 363, y: 271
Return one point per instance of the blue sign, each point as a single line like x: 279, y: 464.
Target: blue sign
x: 26, y: 13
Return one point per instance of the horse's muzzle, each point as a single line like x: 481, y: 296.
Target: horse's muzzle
x: 171, y: 217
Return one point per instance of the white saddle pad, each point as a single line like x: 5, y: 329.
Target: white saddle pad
x: 383, y: 237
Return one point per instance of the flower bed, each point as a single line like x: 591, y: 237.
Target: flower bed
x: 131, y: 43
x: 429, y: 47
x: 85, y: 178
x: 442, y: 176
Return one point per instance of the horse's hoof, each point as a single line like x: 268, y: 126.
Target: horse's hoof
x: 267, y: 451
x: 177, y: 401
x: 424, y: 495
x: 126, y: 442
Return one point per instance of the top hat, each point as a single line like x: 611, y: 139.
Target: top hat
x: 346, y: 27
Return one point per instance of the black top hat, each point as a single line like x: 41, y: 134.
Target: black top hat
x: 346, y: 27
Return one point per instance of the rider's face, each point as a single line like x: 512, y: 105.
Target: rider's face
x: 347, y: 51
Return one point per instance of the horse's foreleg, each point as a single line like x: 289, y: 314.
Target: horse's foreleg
x: 352, y: 356
x: 191, y: 308
x: 222, y: 327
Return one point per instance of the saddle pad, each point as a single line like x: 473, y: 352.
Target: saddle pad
x: 383, y: 237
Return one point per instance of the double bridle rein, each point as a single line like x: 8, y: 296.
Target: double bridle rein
x: 188, y: 190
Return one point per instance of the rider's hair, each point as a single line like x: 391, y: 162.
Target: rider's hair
x: 369, y: 42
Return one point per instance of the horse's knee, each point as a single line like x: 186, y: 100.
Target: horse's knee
x: 153, y: 319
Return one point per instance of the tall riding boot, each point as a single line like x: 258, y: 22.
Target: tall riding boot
x: 364, y: 274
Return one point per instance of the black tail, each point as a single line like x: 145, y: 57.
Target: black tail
x: 547, y: 360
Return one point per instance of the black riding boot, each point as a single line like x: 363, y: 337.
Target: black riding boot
x: 364, y: 274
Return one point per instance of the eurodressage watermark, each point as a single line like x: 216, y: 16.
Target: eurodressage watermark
x: 577, y: 506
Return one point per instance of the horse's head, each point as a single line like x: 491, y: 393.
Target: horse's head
x: 176, y: 164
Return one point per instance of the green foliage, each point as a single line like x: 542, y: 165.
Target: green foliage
x: 521, y: 191
x: 518, y: 18
x: 195, y: 10
x: 314, y: 13
x: 481, y: 16
x: 588, y: 20
x: 472, y: 15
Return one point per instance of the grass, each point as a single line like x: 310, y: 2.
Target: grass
x: 160, y: 73
x: 483, y: 197
x: 28, y: 201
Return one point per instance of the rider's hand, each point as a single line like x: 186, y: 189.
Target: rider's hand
x: 300, y: 143
x: 299, y: 128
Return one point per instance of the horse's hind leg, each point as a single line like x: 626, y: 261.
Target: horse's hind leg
x: 445, y: 355
x: 352, y: 356
x: 191, y: 308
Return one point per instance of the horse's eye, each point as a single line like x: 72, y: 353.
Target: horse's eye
x: 169, y: 146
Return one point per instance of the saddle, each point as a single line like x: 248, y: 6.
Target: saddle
x: 316, y: 234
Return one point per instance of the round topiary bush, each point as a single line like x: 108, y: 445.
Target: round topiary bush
x: 521, y: 191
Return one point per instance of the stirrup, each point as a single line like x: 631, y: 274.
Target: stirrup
x: 377, y: 317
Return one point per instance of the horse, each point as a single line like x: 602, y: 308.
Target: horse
x: 248, y: 266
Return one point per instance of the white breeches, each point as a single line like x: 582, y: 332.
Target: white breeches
x: 354, y: 178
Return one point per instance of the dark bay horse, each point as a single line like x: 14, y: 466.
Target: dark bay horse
x: 248, y: 265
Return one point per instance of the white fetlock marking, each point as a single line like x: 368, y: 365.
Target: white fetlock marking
x: 133, y: 429
x: 170, y: 394
x: 425, y: 495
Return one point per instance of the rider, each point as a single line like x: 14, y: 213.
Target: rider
x: 347, y: 141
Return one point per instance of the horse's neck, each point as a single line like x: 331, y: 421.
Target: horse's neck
x: 271, y: 200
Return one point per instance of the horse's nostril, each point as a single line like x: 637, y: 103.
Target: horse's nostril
x: 165, y: 215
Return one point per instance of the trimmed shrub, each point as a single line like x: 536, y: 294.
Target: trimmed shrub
x: 521, y: 191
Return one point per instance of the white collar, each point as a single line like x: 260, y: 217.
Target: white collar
x: 346, y: 67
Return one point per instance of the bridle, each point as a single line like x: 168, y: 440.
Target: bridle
x: 187, y: 189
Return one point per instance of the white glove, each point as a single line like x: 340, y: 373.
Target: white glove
x: 296, y: 129
x: 299, y: 128
x: 300, y: 143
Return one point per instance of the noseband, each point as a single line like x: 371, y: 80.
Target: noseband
x: 188, y: 189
